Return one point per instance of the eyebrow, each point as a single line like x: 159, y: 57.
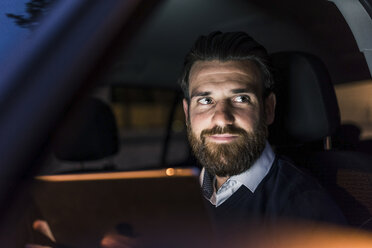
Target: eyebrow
x: 247, y: 89
x: 200, y: 93
x: 243, y: 90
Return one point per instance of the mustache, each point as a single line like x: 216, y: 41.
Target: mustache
x: 231, y: 129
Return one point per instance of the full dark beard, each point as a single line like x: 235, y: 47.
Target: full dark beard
x: 232, y: 158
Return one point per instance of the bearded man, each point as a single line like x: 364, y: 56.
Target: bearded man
x: 229, y: 103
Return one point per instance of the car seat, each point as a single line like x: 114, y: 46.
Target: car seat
x: 307, y: 116
x: 89, y: 133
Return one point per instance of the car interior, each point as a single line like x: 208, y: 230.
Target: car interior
x: 96, y: 91
x: 306, y: 97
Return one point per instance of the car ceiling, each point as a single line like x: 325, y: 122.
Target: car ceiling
x: 155, y: 55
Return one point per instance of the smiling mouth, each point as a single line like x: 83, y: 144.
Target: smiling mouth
x: 222, y: 138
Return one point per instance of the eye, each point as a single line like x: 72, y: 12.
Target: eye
x: 205, y: 101
x: 242, y: 99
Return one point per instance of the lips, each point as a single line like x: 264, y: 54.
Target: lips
x: 222, y: 138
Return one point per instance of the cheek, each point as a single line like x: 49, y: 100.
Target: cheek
x: 199, y: 122
x: 247, y: 120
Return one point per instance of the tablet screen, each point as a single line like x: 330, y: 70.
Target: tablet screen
x: 164, y: 205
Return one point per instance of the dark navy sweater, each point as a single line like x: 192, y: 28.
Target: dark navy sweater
x: 285, y: 192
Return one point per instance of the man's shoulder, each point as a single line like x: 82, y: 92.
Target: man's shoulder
x: 285, y: 171
x: 299, y: 194
x: 286, y: 181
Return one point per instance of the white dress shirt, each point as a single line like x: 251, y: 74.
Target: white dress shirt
x: 250, y: 178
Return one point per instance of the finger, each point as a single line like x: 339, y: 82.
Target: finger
x: 118, y: 241
x: 43, y: 227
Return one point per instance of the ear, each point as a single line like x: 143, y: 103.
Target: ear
x: 186, y: 110
x: 270, y: 103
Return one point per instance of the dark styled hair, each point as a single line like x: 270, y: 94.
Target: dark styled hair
x: 226, y: 47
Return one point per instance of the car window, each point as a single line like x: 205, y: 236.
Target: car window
x: 151, y: 131
x: 355, y: 105
x: 149, y: 119
x: 18, y: 19
x: 143, y: 117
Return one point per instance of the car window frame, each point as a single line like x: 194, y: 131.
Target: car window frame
x: 53, y: 69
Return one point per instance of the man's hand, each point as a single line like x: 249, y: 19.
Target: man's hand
x: 42, y: 227
x: 114, y: 240
x: 110, y: 240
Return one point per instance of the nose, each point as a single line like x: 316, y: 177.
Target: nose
x: 223, y: 114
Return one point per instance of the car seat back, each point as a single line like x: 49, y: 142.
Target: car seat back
x: 89, y: 133
x: 307, y: 116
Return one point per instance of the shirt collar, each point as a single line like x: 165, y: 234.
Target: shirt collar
x: 250, y: 178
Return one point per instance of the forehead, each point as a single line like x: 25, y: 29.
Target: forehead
x: 206, y: 74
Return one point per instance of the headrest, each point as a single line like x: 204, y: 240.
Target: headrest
x: 89, y: 133
x: 307, y: 108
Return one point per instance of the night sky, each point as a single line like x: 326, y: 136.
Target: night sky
x: 9, y: 31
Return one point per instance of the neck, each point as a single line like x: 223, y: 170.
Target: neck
x: 220, y: 181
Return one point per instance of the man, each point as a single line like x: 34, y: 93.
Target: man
x: 229, y: 103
